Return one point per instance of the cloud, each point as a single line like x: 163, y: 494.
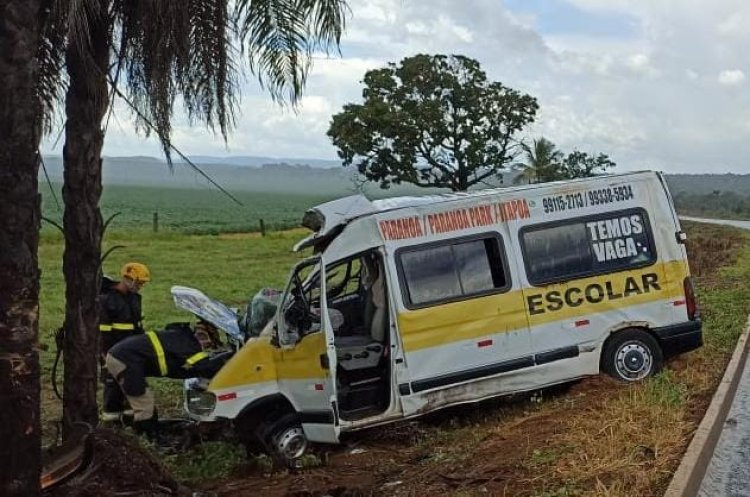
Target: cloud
x: 640, y: 64
x: 731, y: 77
x: 650, y: 92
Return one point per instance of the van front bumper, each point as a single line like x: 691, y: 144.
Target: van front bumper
x: 678, y: 338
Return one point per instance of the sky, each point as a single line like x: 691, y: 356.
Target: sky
x: 655, y: 84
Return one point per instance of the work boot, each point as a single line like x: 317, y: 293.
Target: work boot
x: 151, y: 429
x: 147, y: 427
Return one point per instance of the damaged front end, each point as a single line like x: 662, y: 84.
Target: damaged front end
x: 199, y: 403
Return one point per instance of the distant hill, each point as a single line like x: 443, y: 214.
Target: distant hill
x: 317, y: 177
x: 148, y: 171
x: 276, y: 177
x: 255, y: 161
x: 702, y: 184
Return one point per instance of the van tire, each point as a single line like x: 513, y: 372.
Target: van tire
x: 631, y: 355
x: 285, y: 441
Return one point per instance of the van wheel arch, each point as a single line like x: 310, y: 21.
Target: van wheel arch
x: 631, y: 354
x: 251, y: 421
x: 272, y: 425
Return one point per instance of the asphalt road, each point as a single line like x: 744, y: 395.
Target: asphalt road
x: 728, y: 222
x: 728, y: 473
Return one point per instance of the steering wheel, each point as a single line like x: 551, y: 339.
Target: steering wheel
x: 298, y: 312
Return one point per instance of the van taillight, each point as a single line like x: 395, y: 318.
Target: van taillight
x: 690, y: 301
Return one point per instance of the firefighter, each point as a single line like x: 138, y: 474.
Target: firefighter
x: 176, y: 352
x: 119, y: 318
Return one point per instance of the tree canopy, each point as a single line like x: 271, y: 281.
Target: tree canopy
x: 545, y: 162
x: 434, y: 121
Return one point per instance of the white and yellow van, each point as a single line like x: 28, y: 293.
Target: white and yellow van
x: 413, y: 304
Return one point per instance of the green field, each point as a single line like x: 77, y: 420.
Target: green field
x: 229, y: 267
x: 192, y: 211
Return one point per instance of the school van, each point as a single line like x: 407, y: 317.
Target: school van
x: 413, y: 304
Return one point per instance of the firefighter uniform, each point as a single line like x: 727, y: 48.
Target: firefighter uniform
x: 119, y: 318
x: 174, y: 352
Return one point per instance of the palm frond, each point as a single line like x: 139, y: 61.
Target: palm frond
x: 280, y: 36
x: 177, y: 49
x: 210, y: 78
x: 165, y: 51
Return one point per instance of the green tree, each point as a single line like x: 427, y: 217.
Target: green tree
x: 579, y: 164
x: 22, y: 23
x: 434, y: 121
x: 161, y: 52
x: 543, y: 162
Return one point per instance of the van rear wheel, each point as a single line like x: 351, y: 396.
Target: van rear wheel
x: 632, y: 355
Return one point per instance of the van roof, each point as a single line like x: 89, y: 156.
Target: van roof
x: 328, y: 219
x: 392, y: 203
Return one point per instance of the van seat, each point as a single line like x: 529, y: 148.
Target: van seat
x: 358, y: 351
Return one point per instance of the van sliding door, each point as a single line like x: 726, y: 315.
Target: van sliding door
x: 461, y: 320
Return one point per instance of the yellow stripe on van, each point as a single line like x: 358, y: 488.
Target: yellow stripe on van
x: 483, y: 316
x: 604, y: 293
x: 456, y: 321
x: 259, y: 361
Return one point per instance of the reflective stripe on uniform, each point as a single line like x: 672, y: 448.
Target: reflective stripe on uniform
x: 190, y: 362
x: 117, y: 327
x: 123, y: 326
x: 159, y: 352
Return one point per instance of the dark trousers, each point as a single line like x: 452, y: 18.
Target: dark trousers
x: 113, y: 398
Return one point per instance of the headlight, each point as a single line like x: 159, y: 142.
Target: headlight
x: 200, y: 402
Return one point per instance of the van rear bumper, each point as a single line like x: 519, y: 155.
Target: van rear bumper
x: 678, y: 338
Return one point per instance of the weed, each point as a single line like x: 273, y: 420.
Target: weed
x: 543, y: 457
x: 663, y: 390
x: 207, y: 461
x: 310, y: 461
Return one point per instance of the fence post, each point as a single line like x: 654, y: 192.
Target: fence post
x: 156, y: 222
x: 262, y: 228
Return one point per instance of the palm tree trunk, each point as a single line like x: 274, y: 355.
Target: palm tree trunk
x: 20, y: 132
x: 85, y: 105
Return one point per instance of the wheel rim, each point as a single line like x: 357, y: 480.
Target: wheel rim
x: 292, y: 443
x: 633, y: 361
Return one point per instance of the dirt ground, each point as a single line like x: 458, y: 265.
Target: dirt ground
x: 120, y: 467
x: 482, y: 449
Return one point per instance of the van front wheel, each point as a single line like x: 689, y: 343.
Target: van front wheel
x: 286, y: 441
x: 632, y: 355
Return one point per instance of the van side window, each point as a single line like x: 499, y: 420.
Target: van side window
x: 586, y: 246
x: 452, y: 270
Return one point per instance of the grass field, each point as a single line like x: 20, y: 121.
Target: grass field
x: 193, y: 211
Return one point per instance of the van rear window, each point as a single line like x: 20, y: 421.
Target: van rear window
x: 605, y: 243
x: 452, y: 270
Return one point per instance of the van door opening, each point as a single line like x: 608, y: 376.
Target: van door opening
x: 358, y: 305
